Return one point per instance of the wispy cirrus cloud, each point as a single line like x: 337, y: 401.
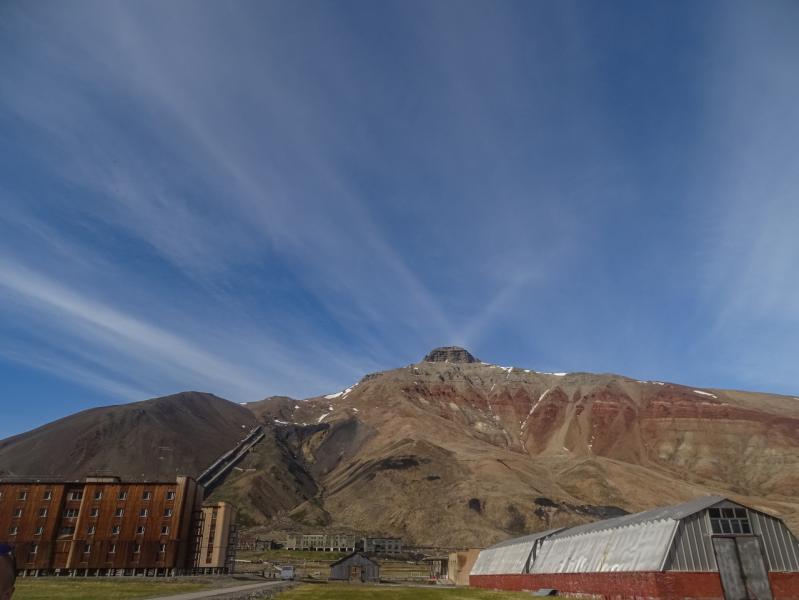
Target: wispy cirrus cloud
x: 276, y: 198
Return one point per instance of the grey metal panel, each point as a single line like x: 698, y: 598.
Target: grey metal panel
x: 730, y: 570
x: 692, y: 549
x: 510, y: 556
x: 779, y: 544
x: 753, y: 567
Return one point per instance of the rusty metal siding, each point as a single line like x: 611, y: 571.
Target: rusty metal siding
x: 57, y: 548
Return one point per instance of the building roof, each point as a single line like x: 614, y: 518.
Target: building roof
x: 674, y: 512
x: 350, y: 555
x: 509, y: 556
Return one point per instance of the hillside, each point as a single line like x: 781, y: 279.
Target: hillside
x: 158, y: 438
x: 454, y: 451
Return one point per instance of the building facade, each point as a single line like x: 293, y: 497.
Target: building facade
x: 708, y: 549
x: 217, y: 540
x: 321, y: 542
x: 102, y: 526
x: 382, y: 545
x: 355, y: 567
x: 460, y: 565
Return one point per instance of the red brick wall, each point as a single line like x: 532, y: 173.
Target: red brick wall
x: 613, y: 586
x: 671, y: 585
x: 784, y: 586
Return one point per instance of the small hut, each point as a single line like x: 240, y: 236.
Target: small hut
x: 355, y: 567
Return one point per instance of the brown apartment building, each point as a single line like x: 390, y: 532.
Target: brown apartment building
x: 103, y: 526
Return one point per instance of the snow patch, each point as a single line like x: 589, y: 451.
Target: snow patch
x: 334, y: 396
x: 705, y: 393
x: 355, y: 410
x: 322, y: 418
x: 278, y: 421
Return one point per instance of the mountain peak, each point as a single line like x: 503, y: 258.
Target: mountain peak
x: 453, y: 354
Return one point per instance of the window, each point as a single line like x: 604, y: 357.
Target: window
x: 729, y: 520
x: 143, y: 512
x: 162, y: 548
x: 34, y: 548
x: 115, y: 530
x: 112, y: 548
x: 39, y: 531
x: 119, y: 512
x: 136, y: 548
x: 140, y: 530
x: 167, y: 512
x: 66, y: 532
x: 87, y: 549
x: 42, y: 512
x: 98, y: 495
x: 147, y: 495
x: 76, y: 495
x: 17, y: 513
x: 95, y: 512
x: 48, y: 495
x: 1, y: 495
x: 165, y: 530
x: 22, y: 495
x: 170, y: 495
x: 13, y: 530
x: 122, y: 495
x: 71, y: 513
x: 91, y: 530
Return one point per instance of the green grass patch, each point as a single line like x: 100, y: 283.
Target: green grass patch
x: 63, y: 588
x: 385, y: 592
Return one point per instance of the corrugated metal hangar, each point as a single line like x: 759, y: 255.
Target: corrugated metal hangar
x: 707, y: 549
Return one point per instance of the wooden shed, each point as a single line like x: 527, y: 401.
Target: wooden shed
x: 355, y: 567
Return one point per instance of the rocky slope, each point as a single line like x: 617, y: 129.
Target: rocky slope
x: 158, y: 438
x: 453, y: 451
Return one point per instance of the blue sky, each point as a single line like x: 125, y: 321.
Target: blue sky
x: 258, y: 198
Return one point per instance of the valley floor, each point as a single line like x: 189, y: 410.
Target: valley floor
x: 76, y: 589
x: 332, y: 591
x: 121, y: 588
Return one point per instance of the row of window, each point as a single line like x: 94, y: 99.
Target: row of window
x: 112, y: 548
x: 72, y: 513
x: 91, y: 530
x: 33, y: 549
x: 98, y: 495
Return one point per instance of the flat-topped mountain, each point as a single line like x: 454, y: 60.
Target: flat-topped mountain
x: 453, y: 354
x: 453, y: 451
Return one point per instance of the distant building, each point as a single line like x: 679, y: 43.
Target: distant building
x: 382, y: 545
x: 321, y: 542
x: 217, y: 547
x: 460, y: 565
x: 355, y: 567
x: 710, y: 548
x: 102, y: 526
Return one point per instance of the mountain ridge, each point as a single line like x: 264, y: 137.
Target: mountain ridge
x: 457, y: 451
